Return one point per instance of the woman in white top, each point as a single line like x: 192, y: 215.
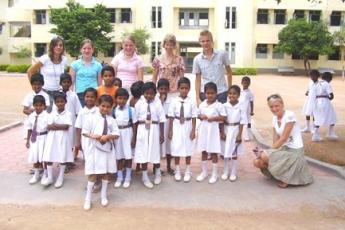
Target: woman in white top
x: 51, y: 66
x: 285, y: 162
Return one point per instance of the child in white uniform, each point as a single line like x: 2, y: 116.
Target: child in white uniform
x: 125, y: 118
x: 149, y: 132
x: 323, y: 112
x: 90, y: 97
x: 163, y: 87
x: 182, y: 122
x: 58, y: 147
x: 247, y: 100
x: 236, y: 118
x: 310, y: 100
x: 37, y: 82
x: 37, y: 133
x: 211, y: 113
x: 100, y: 160
x: 73, y: 106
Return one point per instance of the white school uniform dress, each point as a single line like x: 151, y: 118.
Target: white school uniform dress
x: 323, y: 112
x: 208, y: 132
x: 83, y: 115
x: 147, y: 145
x: 100, y: 159
x: 36, y: 149
x: 165, y: 147
x: 73, y: 106
x: 295, y: 140
x: 235, y: 115
x: 58, y: 147
x: 125, y: 118
x: 310, y: 100
x: 245, y: 98
x: 181, y: 144
x: 28, y: 102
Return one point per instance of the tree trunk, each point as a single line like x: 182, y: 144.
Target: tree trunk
x: 306, y: 66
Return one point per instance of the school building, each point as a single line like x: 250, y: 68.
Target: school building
x: 247, y: 29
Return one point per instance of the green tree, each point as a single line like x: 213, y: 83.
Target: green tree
x: 75, y: 23
x: 305, y: 39
x: 339, y: 39
x: 22, y: 52
x: 140, y: 36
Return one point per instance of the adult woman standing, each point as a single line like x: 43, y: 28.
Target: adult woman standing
x: 129, y: 66
x: 51, y: 66
x: 285, y: 162
x: 86, y: 71
x: 168, y: 65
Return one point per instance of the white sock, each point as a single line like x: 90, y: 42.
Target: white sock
x: 36, y: 172
x: 104, y: 189
x: 128, y: 174
x: 145, y: 175
x: 45, y: 172
x: 177, y: 168
x: 204, y: 167
x: 188, y: 168
x: 307, y: 123
x: 233, y: 167
x: 50, y: 172
x: 226, y: 166
x: 214, y: 169
x: 61, y: 172
x: 89, y: 190
x: 119, y: 175
x: 158, y: 172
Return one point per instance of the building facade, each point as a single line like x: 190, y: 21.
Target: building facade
x: 247, y: 29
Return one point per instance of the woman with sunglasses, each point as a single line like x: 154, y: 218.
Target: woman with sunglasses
x: 285, y: 162
x: 51, y: 66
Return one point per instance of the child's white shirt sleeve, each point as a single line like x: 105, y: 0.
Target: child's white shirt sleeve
x: 160, y: 110
x: 134, y: 115
x: 114, y: 128
x: 194, y: 109
x: 79, y: 121
x: 221, y: 110
x: 68, y: 118
x: 87, y: 125
x: 171, y: 112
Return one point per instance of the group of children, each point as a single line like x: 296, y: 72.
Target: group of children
x: 113, y: 128
x: 318, y: 105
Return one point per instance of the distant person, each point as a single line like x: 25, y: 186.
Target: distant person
x: 51, y: 66
x: 285, y: 162
x: 310, y: 100
x: 86, y: 71
x: 169, y: 64
x: 247, y: 100
x: 210, y: 66
x: 128, y: 65
x: 117, y: 82
x: 323, y: 111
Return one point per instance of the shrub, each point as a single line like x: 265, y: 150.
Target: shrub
x: 3, y: 67
x: 17, y: 68
x: 148, y: 70
x: 244, y: 71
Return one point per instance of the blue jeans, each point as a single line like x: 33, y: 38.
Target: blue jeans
x: 222, y: 97
x: 81, y: 99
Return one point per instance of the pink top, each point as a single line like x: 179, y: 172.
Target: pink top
x: 126, y: 69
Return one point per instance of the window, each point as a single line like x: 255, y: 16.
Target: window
x: 112, y: 15
x: 276, y: 54
x: 111, y: 51
x: 314, y: 15
x: 41, y: 17
x: 126, y: 15
x: 156, y: 17
x: 20, y: 29
x: 153, y: 50
x: 314, y: 57
x: 261, y: 51
x: 262, y: 16
x: 40, y: 49
x: 1, y: 26
x: 336, y: 55
x: 230, y: 18
x: 298, y: 14
x: 190, y: 18
x: 335, y: 18
x: 159, y: 50
x: 279, y: 17
x: 231, y: 51
x: 295, y: 56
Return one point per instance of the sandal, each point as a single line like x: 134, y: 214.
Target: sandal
x: 282, y: 184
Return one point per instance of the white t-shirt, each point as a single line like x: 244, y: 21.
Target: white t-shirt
x: 295, y: 140
x: 51, y: 72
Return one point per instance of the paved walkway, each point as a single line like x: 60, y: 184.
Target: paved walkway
x: 251, y: 192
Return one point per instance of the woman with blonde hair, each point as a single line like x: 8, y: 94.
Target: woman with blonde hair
x: 169, y: 65
x: 128, y: 65
x: 285, y: 161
